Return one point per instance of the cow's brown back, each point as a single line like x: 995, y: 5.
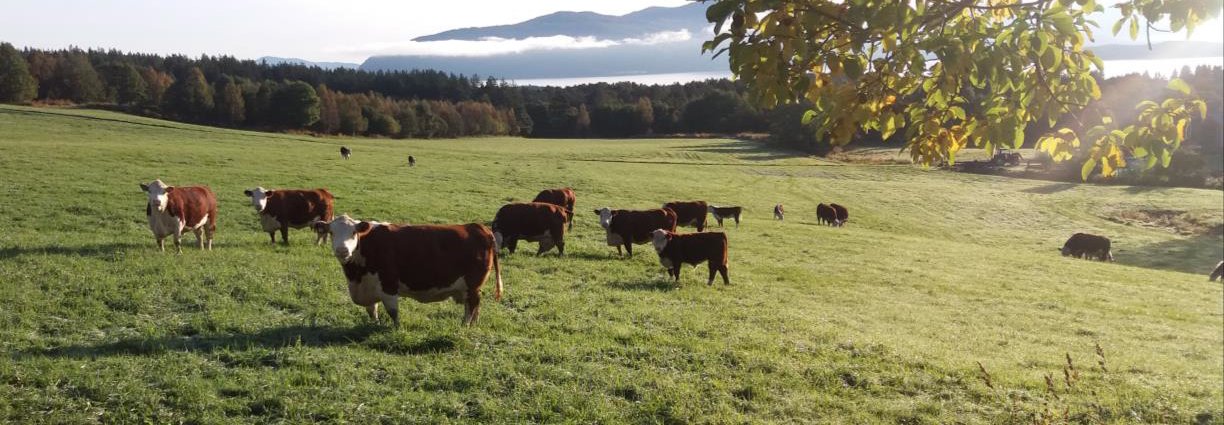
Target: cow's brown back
x: 690, y: 213
x: 298, y: 208
x: 192, y: 205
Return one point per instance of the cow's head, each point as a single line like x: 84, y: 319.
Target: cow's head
x: 660, y: 239
x: 259, y: 197
x: 605, y: 217
x: 344, y: 233
x: 159, y: 194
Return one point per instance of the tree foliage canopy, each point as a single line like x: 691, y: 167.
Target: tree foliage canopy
x: 951, y: 73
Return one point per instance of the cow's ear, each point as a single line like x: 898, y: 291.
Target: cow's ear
x: 267, y: 192
x: 247, y: 192
x: 144, y: 187
x: 596, y: 211
x: 169, y: 189
x: 363, y: 227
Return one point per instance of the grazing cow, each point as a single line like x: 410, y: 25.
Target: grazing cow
x: 173, y: 209
x: 535, y: 221
x: 627, y: 227
x: 426, y: 263
x: 1218, y: 272
x: 676, y: 249
x: 841, y: 213
x: 779, y: 212
x: 285, y: 208
x: 691, y: 213
x: 720, y: 213
x: 411, y: 161
x: 825, y: 214
x: 345, y: 152
x: 1083, y: 245
x: 563, y: 197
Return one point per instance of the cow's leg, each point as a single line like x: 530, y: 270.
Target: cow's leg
x: 391, y: 302
x: 512, y: 244
x: 545, y: 245
x: 472, y: 309
x: 629, y: 248
x: 178, y: 240
x: 713, y: 271
x: 561, y: 247
x: 737, y: 221
x: 272, y: 236
x: 723, y: 271
x: 161, y: 243
x: 284, y: 233
x: 618, y: 251
x: 372, y: 311
x: 199, y: 237
x: 676, y: 272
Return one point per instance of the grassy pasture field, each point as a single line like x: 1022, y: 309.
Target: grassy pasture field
x: 883, y: 321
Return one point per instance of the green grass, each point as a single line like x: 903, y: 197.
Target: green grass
x: 881, y: 321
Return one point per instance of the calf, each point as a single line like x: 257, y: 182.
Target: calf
x: 535, y: 222
x: 281, y: 209
x: 825, y: 214
x: 426, y: 263
x: 345, y: 152
x: 563, y: 197
x: 411, y: 161
x: 676, y: 249
x: 720, y: 213
x: 689, y: 213
x: 779, y: 212
x: 627, y: 227
x: 172, y: 209
x: 1083, y: 245
x: 841, y: 213
x: 1218, y: 272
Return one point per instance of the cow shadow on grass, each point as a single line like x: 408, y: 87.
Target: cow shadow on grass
x: 94, y: 250
x: 1050, y: 189
x: 370, y: 335
x: 658, y: 285
x: 1195, y: 255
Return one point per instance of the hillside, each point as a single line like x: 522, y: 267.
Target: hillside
x: 884, y: 320
x: 638, y: 24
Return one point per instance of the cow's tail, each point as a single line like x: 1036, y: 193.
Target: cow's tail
x: 497, y: 291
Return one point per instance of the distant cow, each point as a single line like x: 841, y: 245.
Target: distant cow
x: 676, y: 249
x: 779, y: 213
x: 426, y: 263
x: 720, y: 213
x: 1083, y: 245
x: 689, y: 213
x: 627, y: 227
x: 825, y: 214
x: 842, y: 214
x: 281, y: 209
x: 172, y: 209
x: 535, y: 222
x: 411, y: 161
x: 1218, y: 272
x: 563, y: 197
x: 345, y: 152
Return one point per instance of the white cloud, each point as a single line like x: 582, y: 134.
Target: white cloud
x: 494, y: 45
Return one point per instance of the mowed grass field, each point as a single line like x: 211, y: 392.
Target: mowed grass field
x: 883, y: 321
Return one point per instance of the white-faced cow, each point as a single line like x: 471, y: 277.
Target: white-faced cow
x: 383, y: 262
x: 533, y: 221
x: 563, y: 197
x: 172, y: 209
x: 345, y: 152
x: 281, y: 209
x: 720, y: 213
x: 689, y: 213
x: 779, y: 212
x: 627, y: 227
x: 694, y: 248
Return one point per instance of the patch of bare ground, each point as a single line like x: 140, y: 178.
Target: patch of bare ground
x: 1180, y: 222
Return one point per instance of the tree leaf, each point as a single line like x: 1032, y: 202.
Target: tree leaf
x: 1179, y: 85
x: 1086, y: 170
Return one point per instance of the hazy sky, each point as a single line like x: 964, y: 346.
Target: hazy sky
x: 319, y: 30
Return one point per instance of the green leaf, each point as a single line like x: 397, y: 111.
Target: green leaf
x: 1179, y: 85
x: 1140, y: 152
x: 1086, y: 170
x: 1118, y: 25
x: 807, y: 116
x: 1134, y: 29
x: 1166, y: 157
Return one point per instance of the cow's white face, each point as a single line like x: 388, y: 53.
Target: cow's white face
x: 158, y: 194
x: 660, y: 239
x: 605, y: 217
x: 344, y: 232
x: 259, y: 197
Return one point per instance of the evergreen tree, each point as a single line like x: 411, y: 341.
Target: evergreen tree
x: 156, y: 84
x: 295, y: 105
x: 77, y: 80
x: 352, y: 122
x: 190, y: 98
x: 230, y: 107
x: 329, y: 112
x: 124, y: 84
x: 16, y: 83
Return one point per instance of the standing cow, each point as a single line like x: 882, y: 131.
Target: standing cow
x: 841, y: 213
x: 628, y: 227
x: 676, y: 249
x: 411, y: 161
x: 779, y: 212
x: 533, y: 221
x: 345, y: 152
x: 720, y: 213
x: 825, y: 214
x: 563, y: 197
x: 172, y: 209
x: 1083, y: 245
x: 383, y: 262
x: 689, y: 213
x: 281, y: 209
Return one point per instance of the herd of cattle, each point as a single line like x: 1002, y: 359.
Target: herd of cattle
x: 431, y: 263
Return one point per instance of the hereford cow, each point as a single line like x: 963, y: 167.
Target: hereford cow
x: 690, y: 213
x: 1218, y: 272
x: 563, y: 197
x: 720, y: 213
x: 172, y: 209
x: 1083, y: 245
x: 285, y: 208
x: 825, y: 214
x: 535, y: 221
x: 426, y: 263
x: 345, y: 152
x: 676, y: 249
x: 779, y: 212
x: 627, y: 227
x: 841, y: 213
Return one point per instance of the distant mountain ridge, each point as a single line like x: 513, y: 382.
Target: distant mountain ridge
x: 1165, y: 50
x: 647, y: 21
x: 273, y: 60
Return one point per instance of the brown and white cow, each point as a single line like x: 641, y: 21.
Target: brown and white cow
x: 689, y: 213
x: 720, y: 213
x: 533, y: 221
x: 172, y: 209
x: 563, y: 197
x: 281, y: 209
x: 628, y: 227
x: 694, y: 248
x: 779, y: 212
x: 383, y: 262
